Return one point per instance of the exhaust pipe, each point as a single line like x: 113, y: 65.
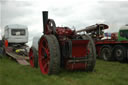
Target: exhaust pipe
x: 45, y: 19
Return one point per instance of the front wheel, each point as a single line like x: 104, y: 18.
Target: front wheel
x: 33, y: 57
x: 92, y: 53
x: 49, y: 54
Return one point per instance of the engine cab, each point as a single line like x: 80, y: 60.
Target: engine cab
x: 16, y: 33
x: 123, y: 33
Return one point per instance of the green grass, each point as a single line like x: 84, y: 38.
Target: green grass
x: 105, y: 73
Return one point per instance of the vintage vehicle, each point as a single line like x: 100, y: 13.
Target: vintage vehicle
x: 61, y: 47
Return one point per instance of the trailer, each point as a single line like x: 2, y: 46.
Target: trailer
x: 109, y: 46
x: 14, y: 40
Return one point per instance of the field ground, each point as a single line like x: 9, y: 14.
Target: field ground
x: 105, y: 73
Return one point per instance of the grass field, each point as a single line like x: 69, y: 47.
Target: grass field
x: 105, y: 73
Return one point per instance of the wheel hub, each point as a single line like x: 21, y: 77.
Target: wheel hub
x: 106, y: 54
x: 119, y: 52
x: 45, y: 54
x: 30, y: 57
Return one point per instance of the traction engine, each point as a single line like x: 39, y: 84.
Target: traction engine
x: 63, y: 47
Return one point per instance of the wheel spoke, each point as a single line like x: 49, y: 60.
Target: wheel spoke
x: 42, y: 57
x: 44, y: 43
x: 45, y: 54
x: 46, y: 51
x: 31, y: 58
x: 46, y: 65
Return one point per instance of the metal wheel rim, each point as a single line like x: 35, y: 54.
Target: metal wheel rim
x: 44, y: 56
x: 106, y: 54
x: 31, y: 58
x: 118, y: 53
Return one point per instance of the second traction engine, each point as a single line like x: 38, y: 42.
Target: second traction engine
x: 63, y: 47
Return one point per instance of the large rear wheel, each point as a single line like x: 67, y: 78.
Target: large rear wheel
x: 92, y: 53
x: 49, y: 54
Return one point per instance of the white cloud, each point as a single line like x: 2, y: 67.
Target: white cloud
x: 78, y: 13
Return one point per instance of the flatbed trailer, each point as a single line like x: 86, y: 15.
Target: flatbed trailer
x: 112, y: 50
x: 21, y: 59
x: 113, y: 47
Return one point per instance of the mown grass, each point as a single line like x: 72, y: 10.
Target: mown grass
x: 105, y: 73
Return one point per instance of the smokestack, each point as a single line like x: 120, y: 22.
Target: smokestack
x: 45, y: 18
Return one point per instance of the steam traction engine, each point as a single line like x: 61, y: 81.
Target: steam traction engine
x: 63, y: 47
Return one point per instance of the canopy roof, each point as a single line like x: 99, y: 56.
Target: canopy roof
x: 17, y: 26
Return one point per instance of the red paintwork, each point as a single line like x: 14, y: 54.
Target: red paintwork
x: 31, y: 57
x: 109, y: 42
x: 64, y: 31
x: 76, y: 66
x: 114, y: 36
x: 98, y: 50
x: 6, y: 43
x: 100, y: 43
x: 44, y: 61
x: 79, y: 48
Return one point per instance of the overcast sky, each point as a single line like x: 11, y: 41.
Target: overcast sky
x: 71, y: 13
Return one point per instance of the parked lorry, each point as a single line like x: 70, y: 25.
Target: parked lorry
x: 15, y: 39
x: 109, y: 46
